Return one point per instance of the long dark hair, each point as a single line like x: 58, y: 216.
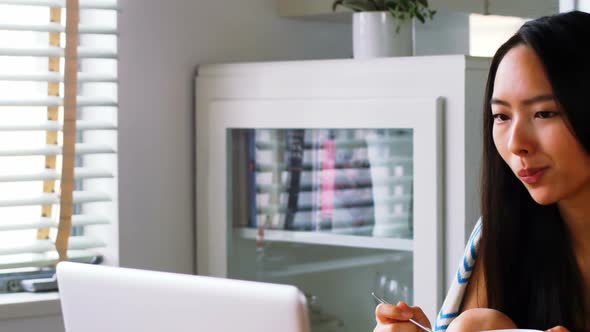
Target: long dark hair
x: 529, y: 265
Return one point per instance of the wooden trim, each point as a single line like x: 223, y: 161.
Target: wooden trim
x: 69, y: 129
x: 52, y: 115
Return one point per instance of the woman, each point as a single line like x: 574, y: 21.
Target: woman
x: 532, y: 257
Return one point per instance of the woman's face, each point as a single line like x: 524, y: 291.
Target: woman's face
x: 531, y: 133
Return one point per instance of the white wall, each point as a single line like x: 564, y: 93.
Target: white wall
x: 584, y: 5
x: 567, y: 5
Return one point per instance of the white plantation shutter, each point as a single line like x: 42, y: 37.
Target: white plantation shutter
x: 32, y: 97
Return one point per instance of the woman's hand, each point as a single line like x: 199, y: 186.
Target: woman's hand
x: 558, y: 328
x: 395, y: 318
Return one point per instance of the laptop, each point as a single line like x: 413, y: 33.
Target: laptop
x: 96, y: 298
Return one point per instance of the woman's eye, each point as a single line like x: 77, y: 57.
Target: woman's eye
x: 500, y: 117
x: 546, y: 114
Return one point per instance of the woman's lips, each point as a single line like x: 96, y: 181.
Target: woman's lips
x: 531, y: 175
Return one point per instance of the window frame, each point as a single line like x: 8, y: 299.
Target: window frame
x: 30, y: 305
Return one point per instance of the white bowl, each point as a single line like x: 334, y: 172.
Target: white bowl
x: 513, y: 330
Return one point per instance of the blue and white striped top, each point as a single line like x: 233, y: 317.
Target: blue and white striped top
x: 452, y: 305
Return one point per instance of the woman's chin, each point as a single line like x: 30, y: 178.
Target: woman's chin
x: 542, y: 197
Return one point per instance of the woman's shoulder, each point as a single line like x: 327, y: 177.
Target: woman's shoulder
x: 477, y: 228
x: 470, y: 254
x: 456, y: 294
x: 473, y: 242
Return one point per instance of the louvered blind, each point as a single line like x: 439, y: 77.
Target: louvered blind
x: 33, y: 36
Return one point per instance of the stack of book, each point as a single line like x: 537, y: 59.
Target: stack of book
x: 323, y: 179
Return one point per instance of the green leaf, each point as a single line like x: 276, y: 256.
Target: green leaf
x: 420, y: 17
x: 336, y: 4
x: 404, y: 5
x: 391, y: 4
x: 374, y: 4
x: 380, y: 4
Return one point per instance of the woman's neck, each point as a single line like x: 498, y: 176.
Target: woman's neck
x: 575, y: 212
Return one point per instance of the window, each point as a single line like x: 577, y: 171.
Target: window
x: 32, y: 42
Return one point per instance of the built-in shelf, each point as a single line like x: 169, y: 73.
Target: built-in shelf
x: 328, y: 239
x: 322, y: 9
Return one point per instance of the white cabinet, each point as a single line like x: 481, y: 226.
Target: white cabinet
x: 430, y: 108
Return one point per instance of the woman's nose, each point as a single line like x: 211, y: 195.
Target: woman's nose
x: 521, y: 140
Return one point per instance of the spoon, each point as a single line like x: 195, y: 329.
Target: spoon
x: 411, y: 320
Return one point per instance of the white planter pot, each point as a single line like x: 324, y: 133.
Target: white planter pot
x: 374, y: 36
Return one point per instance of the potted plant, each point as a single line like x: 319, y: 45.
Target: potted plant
x: 384, y: 27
